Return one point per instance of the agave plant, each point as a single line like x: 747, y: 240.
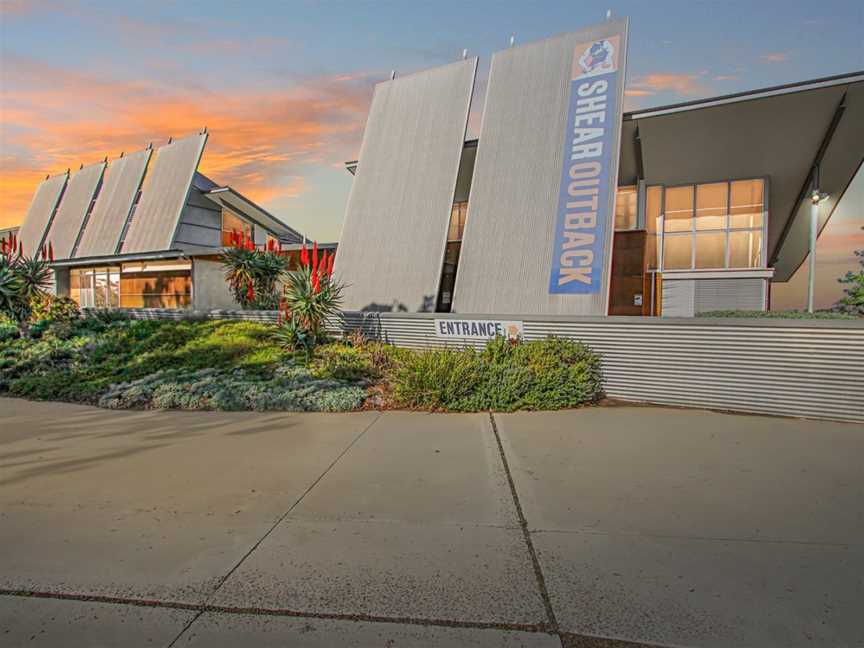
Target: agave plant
x: 252, y: 273
x: 311, y: 296
x: 22, y: 279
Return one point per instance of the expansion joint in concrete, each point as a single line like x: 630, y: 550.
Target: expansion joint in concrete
x: 526, y: 534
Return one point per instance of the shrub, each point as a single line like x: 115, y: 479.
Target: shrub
x: 252, y: 273
x: 45, y: 306
x: 108, y: 315
x: 22, y: 279
x: 312, y: 296
x: 852, y: 302
x: 777, y: 314
x: 505, y: 376
x: 211, y: 389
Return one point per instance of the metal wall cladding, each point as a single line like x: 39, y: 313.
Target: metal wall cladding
x: 163, y: 197
x: 729, y: 294
x: 679, y: 298
x: 392, y: 244
x: 119, y: 187
x: 787, y: 368
x: 35, y: 224
x: 67, y: 223
x: 508, y: 245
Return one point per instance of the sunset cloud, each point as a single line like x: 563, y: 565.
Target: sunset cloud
x: 260, y: 140
x: 651, y: 84
x: 775, y: 57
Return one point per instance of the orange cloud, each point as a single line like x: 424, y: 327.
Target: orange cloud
x: 775, y: 57
x: 53, y: 118
x: 651, y: 84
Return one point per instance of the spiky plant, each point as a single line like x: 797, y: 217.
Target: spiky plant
x: 252, y: 273
x: 311, y: 296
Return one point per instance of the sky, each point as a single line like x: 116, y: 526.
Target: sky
x: 284, y: 87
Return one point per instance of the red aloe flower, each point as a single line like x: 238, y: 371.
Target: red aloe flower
x: 314, y: 256
x: 250, y: 292
x: 304, y: 256
x: 51, y: 251
x: 330, y: 264
x: 322, y: 266
x: 250, y: 245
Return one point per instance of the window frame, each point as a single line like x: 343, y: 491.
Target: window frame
x: 661, y: 232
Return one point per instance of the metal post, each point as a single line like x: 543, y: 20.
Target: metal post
x: 816, y: 196
x: 814, y: 225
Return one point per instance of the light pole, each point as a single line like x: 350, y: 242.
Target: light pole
x: 816, y: 197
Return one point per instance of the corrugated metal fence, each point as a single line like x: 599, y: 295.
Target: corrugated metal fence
x: 810, y: 368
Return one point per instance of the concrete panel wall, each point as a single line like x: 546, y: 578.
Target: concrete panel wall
x: 66, y: 226
x: 510, y: 229
x: 392, y: 243
x: 119, y: 187
x: 209, y: 288
x: 154, y: 223
x: 35, y: 224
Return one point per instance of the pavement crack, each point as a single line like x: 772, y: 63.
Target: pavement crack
x: 185, y: 628
x: 526, y: 534
x: 295, y: 504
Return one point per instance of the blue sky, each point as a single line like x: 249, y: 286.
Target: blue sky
x: 284, y: 86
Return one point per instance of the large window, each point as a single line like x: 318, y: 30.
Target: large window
x: 95, y: 287
x: 231, y: 224
x: 626, y: 212
x: 156, y: 284
x: 707, y: 226
x: 144, y: 284
x: 457, y: 221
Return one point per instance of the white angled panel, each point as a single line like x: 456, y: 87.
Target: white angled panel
x: 32, y: 231
x: 119, y: 187
x: 395, y: 231
x: 154, y: 222
x: 67, y: 223
x: 514, y: 242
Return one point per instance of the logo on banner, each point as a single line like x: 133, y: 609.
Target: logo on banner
x: 586, y: 194
x: 598, y: 58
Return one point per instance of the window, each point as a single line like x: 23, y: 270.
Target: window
x: 156, y: 284
x: 457, y: 221
x: 232, y: 223
x: 626, y: 213
x: 653, y: 211
x: 95, y: 287
x: 716, y: 225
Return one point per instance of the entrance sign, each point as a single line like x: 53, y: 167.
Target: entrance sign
x: 586, y: 199
x: 478, y: 329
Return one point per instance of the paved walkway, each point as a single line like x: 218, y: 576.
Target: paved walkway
x: 596, y: 527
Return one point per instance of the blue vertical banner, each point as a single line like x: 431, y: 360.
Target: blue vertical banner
x: 586, y: 198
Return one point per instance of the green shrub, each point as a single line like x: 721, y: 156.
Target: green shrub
x: 8, y: 329
x: 45, y: 306
x: 505, y: 376
x: 211, y: 389
x: 343, y: 362
x: 823, y: 314
x: 108, y: 315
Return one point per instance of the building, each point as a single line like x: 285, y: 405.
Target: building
x: 145, y: 230
x: 712, y: 202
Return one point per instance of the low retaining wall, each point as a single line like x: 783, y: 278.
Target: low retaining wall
x: 810, y: 368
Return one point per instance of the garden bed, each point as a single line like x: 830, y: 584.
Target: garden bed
x: 118, y: 363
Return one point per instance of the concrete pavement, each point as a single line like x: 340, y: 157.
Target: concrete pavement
x: 598, y: 527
